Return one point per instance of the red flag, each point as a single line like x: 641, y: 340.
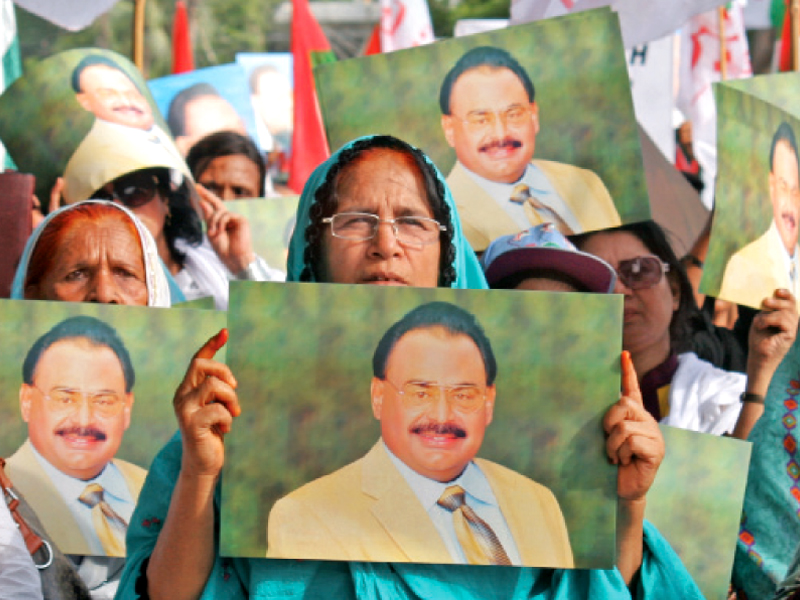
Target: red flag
x: 785, y: 61
x: 374, y: 43
x: 309, y: 145
x: 182, y: 58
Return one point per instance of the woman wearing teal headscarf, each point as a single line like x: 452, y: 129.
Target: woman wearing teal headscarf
x: 661, y: 573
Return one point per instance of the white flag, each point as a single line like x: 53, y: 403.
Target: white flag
x: 700, y: 66
x: 405, y: 24
x: 641, y: 21
x: 73, y: 15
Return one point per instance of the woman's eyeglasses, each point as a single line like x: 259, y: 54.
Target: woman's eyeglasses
x: 133, y: 191
x: 642, y: 272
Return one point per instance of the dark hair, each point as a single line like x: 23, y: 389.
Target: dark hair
x: 176, y: 115
x: 326, y: 203
x: 482, y: 56
x: 453, y: 319
x: 655, y: 240
x: 783, y: 134
x: 95, y: 331
x: 225, y: 143
x: 93, y: 60
x: 182, y: 221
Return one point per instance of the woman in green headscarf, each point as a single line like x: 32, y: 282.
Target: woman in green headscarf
x: 388, y: 191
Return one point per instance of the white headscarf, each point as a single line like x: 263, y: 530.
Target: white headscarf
x: 155, y: 279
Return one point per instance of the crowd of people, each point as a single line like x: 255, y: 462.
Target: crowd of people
x: 379, y: 212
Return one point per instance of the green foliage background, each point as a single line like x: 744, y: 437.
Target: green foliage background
x: 302, y: 354
x: 41, y: 122
x: 577, y: 65
x: 749, y: 112
x: 271, y: 225
x: 697, y: 504
x: 161, y: 343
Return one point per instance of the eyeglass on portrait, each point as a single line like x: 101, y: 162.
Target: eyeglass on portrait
x: 515, y: 115
x: 416, y: 395
x: 62, y: 400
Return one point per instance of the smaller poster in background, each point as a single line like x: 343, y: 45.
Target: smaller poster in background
x: 270, y: 80
x: 86, y: 115
x: 754, y: 248
x: 309, y: 468
x: 271, y: 225
x: 87, y: 404
x: 205, y: 101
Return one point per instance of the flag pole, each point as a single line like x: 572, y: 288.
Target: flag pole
x: 794, y: 14
x: 723, y: 50
x: 138, y: 35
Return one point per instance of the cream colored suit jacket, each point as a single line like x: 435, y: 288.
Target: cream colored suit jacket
x: 32, y: 481
x: 756, y: 271
x: 484, y: 220
x: 367, y: 512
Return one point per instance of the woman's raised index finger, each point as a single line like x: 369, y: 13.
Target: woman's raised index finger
x: 210, y: 348
x: 630, y: 382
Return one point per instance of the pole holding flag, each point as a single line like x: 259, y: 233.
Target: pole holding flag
x: 723, y: 50
x: 138, y: 35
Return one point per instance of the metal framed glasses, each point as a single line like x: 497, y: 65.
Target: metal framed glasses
x: 420, y: 395
x: 642, y: 272
x: 68, y: 400
x: 411, y: 230
x: 513, y: 116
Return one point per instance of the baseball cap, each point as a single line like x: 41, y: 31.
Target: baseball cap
x: 544, y: 247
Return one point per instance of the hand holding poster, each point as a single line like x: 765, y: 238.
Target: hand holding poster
x: 330, y: 408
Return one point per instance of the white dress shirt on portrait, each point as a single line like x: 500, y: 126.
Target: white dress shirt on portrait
x: 787, y: 259
x: 478, y: 495
x: 117, y: 495
x: 540, y: 188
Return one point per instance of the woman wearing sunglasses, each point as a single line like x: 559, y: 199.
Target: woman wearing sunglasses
x: 678, y: 388
x: 201, y: 263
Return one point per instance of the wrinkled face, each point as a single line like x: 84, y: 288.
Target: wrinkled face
x: 77, y: 437
x: 647, y: 312
x: 784, y: 191
x: 492, y: 124
x: 439, y: 441
x: 97, y: 261
x: 385, y: 183
x: 206, y: 115
x: 111, y: 96
x: 232, y: 177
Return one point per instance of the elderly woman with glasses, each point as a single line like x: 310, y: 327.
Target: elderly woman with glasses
x: 678, y: 388
x: 201, y: 263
